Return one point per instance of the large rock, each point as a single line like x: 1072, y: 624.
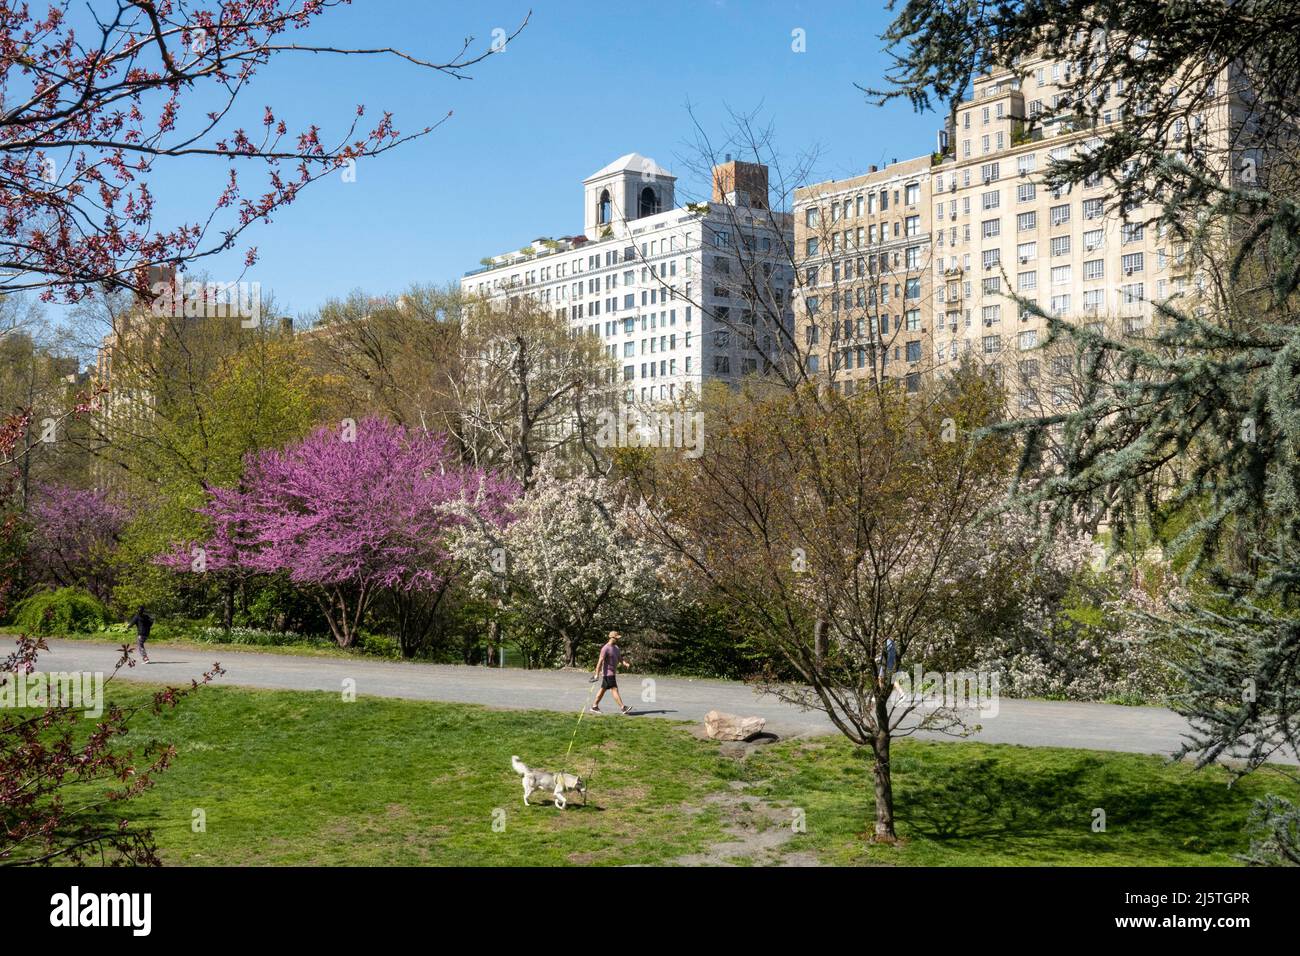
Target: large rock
x: 720, y: 726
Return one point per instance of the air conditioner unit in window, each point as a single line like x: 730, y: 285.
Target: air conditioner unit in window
x: 1024, y: 259
x: 988, y: 321
x: 952, y: 188
x: 953, y: 217
x: 1128, y: 272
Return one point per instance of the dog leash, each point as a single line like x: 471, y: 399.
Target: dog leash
x: 564, y: 765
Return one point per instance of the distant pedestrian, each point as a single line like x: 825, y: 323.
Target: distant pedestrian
x: 889, y: 671
x: 607, y: 671
x: 142, y: 623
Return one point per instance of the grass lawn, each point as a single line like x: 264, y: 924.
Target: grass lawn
x: 304, y: 778
x: 118, y: 638
x: 970, y: 804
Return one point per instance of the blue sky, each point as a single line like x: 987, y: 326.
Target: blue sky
x: 584, y: 83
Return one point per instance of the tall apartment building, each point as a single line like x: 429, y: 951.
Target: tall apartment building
x: 991, y: 226
x: 864, y: 250
x: 669, y: 291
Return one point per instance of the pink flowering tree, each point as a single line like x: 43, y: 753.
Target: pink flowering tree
x: 74, y: 532
x: 351, y: 514
x: 100, y: 98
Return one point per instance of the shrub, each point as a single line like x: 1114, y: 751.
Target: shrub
x: 65, y: 611
x: 702, y: 640
x: 256, y: 637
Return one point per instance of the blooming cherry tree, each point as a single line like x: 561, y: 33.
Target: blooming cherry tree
x: 568, y: 563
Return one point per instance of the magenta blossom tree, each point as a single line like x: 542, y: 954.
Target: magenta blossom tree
x: 74, y: 532
x: 351, y: 515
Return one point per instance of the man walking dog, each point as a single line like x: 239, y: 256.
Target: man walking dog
x: 607, y: 671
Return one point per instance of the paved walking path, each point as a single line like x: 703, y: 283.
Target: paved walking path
x: 1152, y: 730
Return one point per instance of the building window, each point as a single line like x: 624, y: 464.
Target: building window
x: 1131, y: 294
x: 605, y: 213
x: 648, y: 205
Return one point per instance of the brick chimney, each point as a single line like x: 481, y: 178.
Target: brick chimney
x: 741, y: 184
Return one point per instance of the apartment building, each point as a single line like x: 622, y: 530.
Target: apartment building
x: 677, y: 295
x: 865, y: 280
x: 991, y: 227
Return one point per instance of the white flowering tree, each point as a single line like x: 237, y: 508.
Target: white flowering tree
x: 1052, y: 620
x: 567, y: 567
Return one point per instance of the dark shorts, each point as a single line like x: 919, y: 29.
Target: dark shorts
x: 608, y: 682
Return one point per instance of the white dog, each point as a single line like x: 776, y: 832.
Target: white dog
x: 545, y: 781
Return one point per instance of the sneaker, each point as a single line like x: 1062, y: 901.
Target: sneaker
x: 627, y: 709
x: 595, y: 709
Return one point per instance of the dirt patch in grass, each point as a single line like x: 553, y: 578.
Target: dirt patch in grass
x: 759, y: 833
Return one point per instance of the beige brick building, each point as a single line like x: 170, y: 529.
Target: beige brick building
x: 863, y: 246
x: 987, y: 226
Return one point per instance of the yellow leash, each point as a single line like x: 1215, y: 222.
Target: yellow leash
x: 564, y: 766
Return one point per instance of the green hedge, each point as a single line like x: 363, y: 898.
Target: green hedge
x: 65, y: 611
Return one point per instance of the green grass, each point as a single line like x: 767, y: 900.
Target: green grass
x: 969, y: 804
x: 118, y: 638
x: 305, y: 778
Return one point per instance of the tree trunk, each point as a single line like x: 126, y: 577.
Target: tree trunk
x: 493, y: 638
x: 884, y: 831
x: 228, y: 606
x: 819, y: 641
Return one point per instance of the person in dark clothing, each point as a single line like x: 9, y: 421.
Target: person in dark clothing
x: 142, y: 622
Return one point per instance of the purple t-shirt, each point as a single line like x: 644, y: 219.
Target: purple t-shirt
x: 609, y: 657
